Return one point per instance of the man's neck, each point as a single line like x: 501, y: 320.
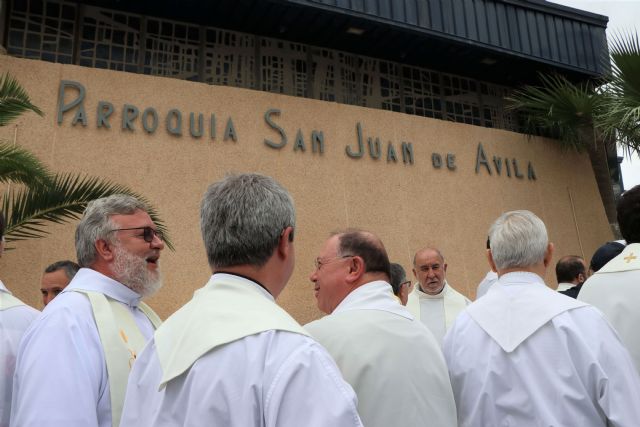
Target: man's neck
x: 249, y: 272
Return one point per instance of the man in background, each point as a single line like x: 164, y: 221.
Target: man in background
x: 56, y: 277
x: 372, y: 337
x: 401, y: 286
x: 433, y: 301
x: 571, y: 272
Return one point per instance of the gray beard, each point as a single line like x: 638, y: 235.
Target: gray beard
x: 131, y: 270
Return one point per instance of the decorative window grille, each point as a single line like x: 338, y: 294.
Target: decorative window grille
x: 110, y: 40
x: 422, y: 92
x: 283, y: 67
x: 229, y: 58
x: 45, y: 29
x: 172, y: 49
x: 42, y: 29
x: 461, y: 100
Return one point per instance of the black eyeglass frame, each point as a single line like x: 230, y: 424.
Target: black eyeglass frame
x: 148, y: 233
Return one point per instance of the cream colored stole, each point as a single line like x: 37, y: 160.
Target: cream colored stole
x: 226, y: 309
x: 121, y: 341
x: 8, y: 301
x: 453, y: 303
x: 628, y: 260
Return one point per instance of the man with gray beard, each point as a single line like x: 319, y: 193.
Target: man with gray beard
x: 74, y: 361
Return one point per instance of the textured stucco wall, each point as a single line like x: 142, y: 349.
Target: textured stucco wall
x: 408, y: 206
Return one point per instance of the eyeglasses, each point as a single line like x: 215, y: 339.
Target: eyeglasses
x: 319, y: 262
x: 147, y: 234
x: 406, y: 283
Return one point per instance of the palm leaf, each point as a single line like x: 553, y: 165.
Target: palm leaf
x: 14, y: 100
x: 20, y: 166
x: 621, y: 115
x: 28, y: 210
x: 558, y: 108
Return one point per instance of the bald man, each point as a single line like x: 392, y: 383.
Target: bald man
x: 433, y: 301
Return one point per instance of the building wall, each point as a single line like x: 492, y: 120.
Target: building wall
x: 409, y: 205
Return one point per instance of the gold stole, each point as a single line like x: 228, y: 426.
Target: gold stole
x: 121, y: 342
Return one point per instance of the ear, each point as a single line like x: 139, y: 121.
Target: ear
x: 356, y: 269
x: 104, y: 249
x: 285, y: 243
x: 415, y: 276
x: 444, y: 267
x: 492, y: 264
x: 548, y: 255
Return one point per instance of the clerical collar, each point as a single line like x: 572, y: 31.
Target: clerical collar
x: 244, y: 277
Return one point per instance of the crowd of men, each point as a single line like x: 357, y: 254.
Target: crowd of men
x: 387, y: 353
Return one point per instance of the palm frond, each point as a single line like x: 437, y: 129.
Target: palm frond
x: 21, y: 166
x: 14, y: 100
x: 621, y: 115
x: 558, y: 108
x: 28, y: 210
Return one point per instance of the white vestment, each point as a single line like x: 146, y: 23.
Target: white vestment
x: 61, y: 375
x: 437, y: 312
x: 615, y: 290
x: 390, y: 359
x: 486, y: 283
x: 525, y: 355
x: 15, y: 318
x: 231, y: 357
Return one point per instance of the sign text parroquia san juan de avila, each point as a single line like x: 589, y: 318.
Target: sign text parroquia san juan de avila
x: 199, y: 127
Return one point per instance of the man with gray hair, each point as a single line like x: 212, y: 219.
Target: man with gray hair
x: 231, y: 356
x: 56, y: 277
x: 74, y: 361
x: 524, y: 355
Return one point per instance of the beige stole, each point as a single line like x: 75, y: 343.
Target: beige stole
x: 226, y: 309
x: 121, y: 342
x: 8, y: 301
x: 453, y: 303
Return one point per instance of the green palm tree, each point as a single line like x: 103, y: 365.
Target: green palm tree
x: 571, y: 113
x: 42, y: 197
x: 621, y: 113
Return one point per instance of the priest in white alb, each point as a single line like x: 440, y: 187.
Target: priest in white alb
x: 74, y: 361
x: 615, y: 288
x: 392, y: 360
x: 231, y: 356
x: 433, y: 301
x: 15, y: 318
x: 525, y: 355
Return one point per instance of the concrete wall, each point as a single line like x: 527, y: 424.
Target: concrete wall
x: 407, y: 205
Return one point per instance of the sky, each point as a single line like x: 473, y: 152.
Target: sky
x: 623, y: 15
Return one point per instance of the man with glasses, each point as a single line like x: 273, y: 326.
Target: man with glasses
x: 231, y: 356
x: 433, y: 301
x: 73, y: 363
x: 373, y: 338
x: 401, y: 286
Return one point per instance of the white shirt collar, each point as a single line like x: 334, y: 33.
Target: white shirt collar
x: 88, y: 279
x: 376, y: 295
x: 3, y: 288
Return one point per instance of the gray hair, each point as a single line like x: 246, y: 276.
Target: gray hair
x: 70, y: 268
x: 398, y: 275
x: 518, y: 239
x: 242, y: 218
x: 96, y: 223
